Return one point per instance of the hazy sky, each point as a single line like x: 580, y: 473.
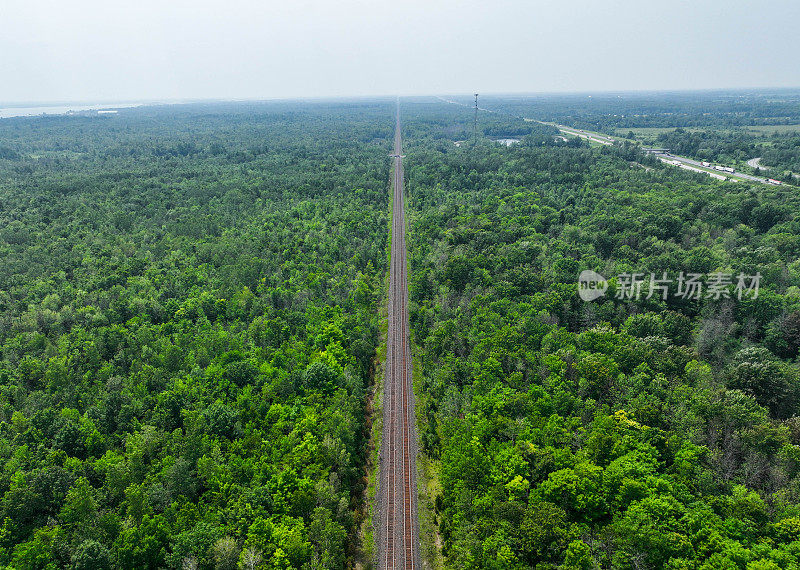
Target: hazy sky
x: 71, y: 50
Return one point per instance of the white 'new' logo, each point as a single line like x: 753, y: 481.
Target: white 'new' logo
x: 591, y: 285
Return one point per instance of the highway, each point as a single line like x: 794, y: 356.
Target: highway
x: 398, y: 533
x: 666, y: 158
x: 593, y: 137
x: 698, y: 166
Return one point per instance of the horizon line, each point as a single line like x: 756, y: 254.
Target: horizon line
x: 153, y: 101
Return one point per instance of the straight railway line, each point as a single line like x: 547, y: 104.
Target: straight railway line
x: 399, y: 528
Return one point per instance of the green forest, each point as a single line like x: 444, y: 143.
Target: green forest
x: 621, y: 433
x: 188, y: 316
x: 191, y: 303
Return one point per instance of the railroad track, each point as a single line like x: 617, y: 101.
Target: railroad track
x: 399, y: 527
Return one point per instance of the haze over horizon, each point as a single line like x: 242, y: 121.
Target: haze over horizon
x: 92, y: 51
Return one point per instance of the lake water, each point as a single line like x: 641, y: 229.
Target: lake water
x: 7, y: 112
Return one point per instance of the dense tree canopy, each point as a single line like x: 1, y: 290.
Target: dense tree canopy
x: 619, y: 433
x: 188, y: 316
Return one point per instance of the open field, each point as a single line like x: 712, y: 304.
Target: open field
x: 771, y: 129
x: 646, y: 133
